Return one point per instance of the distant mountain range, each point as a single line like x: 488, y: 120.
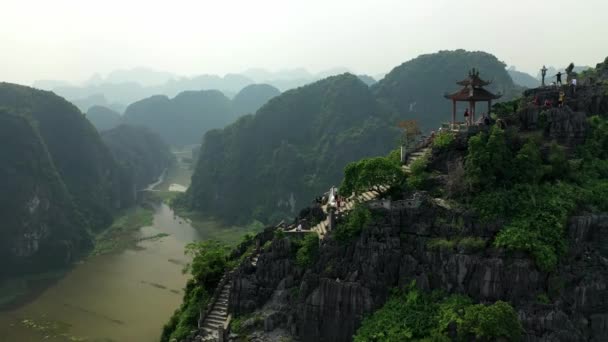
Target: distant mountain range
x: 122, y: 87
x: 184, y: 119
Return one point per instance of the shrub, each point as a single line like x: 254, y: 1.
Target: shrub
x: 418, y: 178
x: 472, y: 244
x: 369, y: 174
x: 279, y: 234
x: 412, y: 315
x: 443, y: 140
x: 491, y: 322
x: 308, y: 252
x: 352, y: 226
x: 543, y: 298
x: 210, y: 259
x: 441, y: 244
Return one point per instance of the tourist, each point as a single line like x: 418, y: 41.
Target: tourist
x: 299, y: 228
x: 562, y: 98
x: 486, y: 119
x: 573, y: 86
x: 548, y: 103
x: 466, y: 116
x: 559, y: 78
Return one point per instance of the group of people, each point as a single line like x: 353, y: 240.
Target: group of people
x: 561, y: 100
x: 558, y: 79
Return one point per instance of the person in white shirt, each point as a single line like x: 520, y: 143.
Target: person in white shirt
x: 573, y: 85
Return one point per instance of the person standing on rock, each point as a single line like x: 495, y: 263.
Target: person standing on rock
x: 543, y: 73
x: 559, y: 78
x: 562, y: 98
x: 573, y: 86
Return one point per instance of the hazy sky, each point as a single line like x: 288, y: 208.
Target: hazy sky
x: 70, y: 40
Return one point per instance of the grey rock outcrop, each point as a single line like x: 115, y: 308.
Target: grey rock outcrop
x: 328, y: 301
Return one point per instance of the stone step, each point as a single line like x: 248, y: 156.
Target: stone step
x: 220, y: 308
x: 217, y: 315
x: 219, y: 311
x: 210, y: 335
x: 214, y: 322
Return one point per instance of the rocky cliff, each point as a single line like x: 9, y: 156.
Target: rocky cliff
x: 328, y: 301
x: 40, y: 224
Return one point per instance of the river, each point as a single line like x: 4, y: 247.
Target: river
x: 125, y: 296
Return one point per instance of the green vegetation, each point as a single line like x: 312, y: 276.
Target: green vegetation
x: 121, y: 234
x: 141, y: 154
x: 532, y: 195
x: 368, y: 174
x: 309, y: 251
x: 293, y: 149
x: 34, y: 198
x: 103, y: 118
x: 505, y: 109
x: 422, y: 78
x: 472, y: 244
x: 185, y: 118
x: 209, y: 262
x: 441, y: 244
x: 543, y: 298
x: 443, y: 140
x: 412, y: 315
x: 468, y: 244
x: 64, y: 183
x: 252, y: 97
x: 419, y: 177
x: 353, y: 224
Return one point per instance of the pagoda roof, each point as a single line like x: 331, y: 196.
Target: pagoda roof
x: 469, y: 93
x: 473, y: 80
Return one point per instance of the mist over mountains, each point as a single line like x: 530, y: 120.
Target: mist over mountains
x: 122, y: 87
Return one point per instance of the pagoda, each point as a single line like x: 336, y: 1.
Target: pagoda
x: 472, y: 92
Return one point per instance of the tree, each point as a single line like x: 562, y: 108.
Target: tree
x: 500, y: 156
x: 370, y: 173
x: 476, y: 161
x: 528, y: 164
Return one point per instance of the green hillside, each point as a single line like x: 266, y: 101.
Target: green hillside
x: 140, y: 152
x: 415, y: 89
x: 82, y: 160
x: 103, y: 118
x: 266, y: 165
x: 184, y: 119
x: 40, y: 224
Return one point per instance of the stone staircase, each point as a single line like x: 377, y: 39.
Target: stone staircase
x: 214, y: 321
x: 322, y: 228
x: 413, y: 157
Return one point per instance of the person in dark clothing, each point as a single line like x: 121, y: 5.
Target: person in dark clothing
x: 559, y: 78
x: 466, y: 115
x: 486, y: 120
